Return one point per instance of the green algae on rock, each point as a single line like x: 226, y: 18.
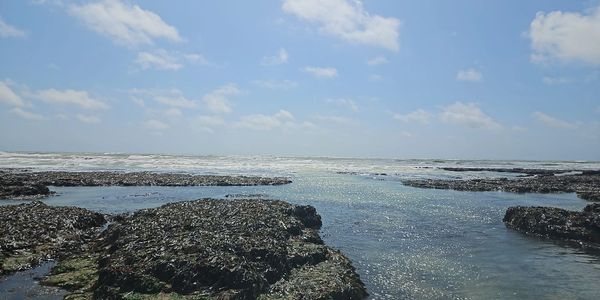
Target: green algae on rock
x: 34, y: 232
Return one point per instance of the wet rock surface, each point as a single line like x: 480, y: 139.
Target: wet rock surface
x: 23, y: 184
x: 579, y: 229
x: 586, y: 185
x: 511, y: 170
x: 212, y: 249
x: 33, y: 232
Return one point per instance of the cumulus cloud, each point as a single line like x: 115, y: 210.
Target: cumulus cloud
x: 26, y: 114
x: 7, y: 30
x: 377, y: 60
x: 276, y: 84
x: 566, y: 37
x: 418, y: 116
x: 8, y: 96
x: 71, y: 97
x: 124, y: 23
x: 280, y: 58
x: 155, y: 125
x: 163, y: 60
x: 347, y: 20
x: 469, y: 75
x: 343, y: 102
x: 218, y: 101
x: 553, y: 122
x: 89, y: 119
x: 321, y: 72
x: 467, y: 114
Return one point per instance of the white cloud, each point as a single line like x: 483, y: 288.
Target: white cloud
x: 282, y: 119
x: 125, y: 24
x: 280, y: 58
x: 348, y: 21
x: 467, y: 114
x: 556, y: 80
x: 173, y: 112
x: 333, y: 119
x: 217, y: 101
x: 26, y: 114
x: 208, y: 123
x: 155, y: 125
x: 377, y: 60
x: 7, y: 30
x: 321, y: 72
x: 276, y: 84
x: 71, y: 97
x: 417, y: 116
x: 469, y: 75
x: 89, y: 119
x: 566, y: 36
x: 173, y: 98
x: 553, y: 122
x: 343, y: 102
x: 8, y: 96
x: 164, y: 60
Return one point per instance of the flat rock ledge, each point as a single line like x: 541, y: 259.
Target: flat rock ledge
x: 33, y: 232
x: 23, y: 184
x: 212, y: 249
x: 577, y: 229
x: 586, y: 185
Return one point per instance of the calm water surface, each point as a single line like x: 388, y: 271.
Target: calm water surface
x: 405, y: 242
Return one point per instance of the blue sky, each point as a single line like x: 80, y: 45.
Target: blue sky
x: 407, y: 79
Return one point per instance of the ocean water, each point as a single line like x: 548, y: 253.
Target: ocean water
x: 406, y: 243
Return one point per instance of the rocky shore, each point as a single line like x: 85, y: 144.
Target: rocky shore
x: 579, y: 229
x: 204, y: 249
x: 24, y: 184
x: 586, y: 184
x: 34, y: 232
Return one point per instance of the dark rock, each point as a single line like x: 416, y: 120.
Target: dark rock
x: 511, y: 170
x: 34, y: 232
x: 586, y: 186
x: 218, y: 249
x: 24, y: 184
x: 579, y: 229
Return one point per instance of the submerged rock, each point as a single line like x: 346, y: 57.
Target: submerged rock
x: 33, y: 232
x: 214, y: 249
x: 586, y: 185
x: 23, y: 184
x: 579, y: 229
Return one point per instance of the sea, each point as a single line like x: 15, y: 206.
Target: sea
x: 405, y: 242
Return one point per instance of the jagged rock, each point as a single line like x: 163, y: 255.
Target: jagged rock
x: 216, y: 249
x: 33, y: 232
x: 580, y: 229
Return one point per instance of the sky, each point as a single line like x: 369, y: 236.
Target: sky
x: 464, y: 79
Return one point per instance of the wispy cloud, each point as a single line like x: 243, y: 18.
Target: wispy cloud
x: 89, y: 119
x: 469, y: 75
x: 164, y: 60
x: 347, y: 20
x: 321, y: 72
x: 124, y: 23
x: 282, y: 119
x: 553, y: 122
x: 7, y: 31
x: 218, y: 101
x: 26, y: 114
x: 377, y: 60
x: 276, y: 84
x: 418, y: 116
x: 467, y: 114
x: 343, y: 102
x: 566, y: 37
x: 281, y: 57
x: 556, y: 80
x: 71, y: 97
x: 8, y: 96
x: 155, y: 125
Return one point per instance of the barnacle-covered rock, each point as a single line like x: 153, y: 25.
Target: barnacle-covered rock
x: 219, y: 249
x: 33, y: 232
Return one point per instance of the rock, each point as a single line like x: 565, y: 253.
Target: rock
x: 24, y: 184
x: 216, y: 249
x: 543, y: 172
x: 587, y: 186
x: 579, y: 229
x: 33, y: 232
